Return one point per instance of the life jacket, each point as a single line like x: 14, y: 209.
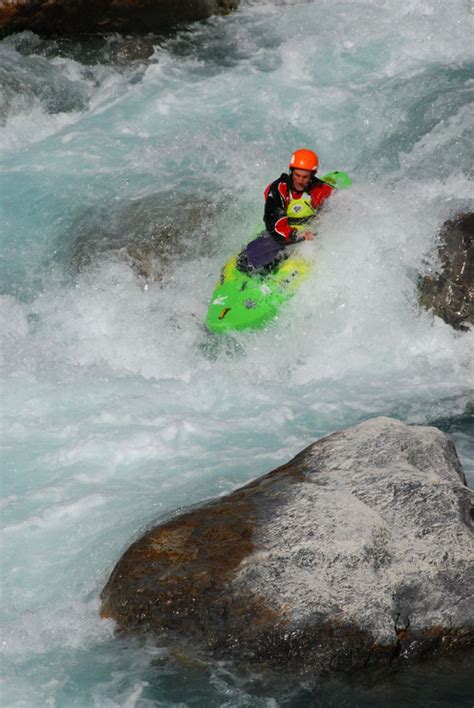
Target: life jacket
x: 299, y: 211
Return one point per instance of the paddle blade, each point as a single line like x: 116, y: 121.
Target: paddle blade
x: 339, y: 180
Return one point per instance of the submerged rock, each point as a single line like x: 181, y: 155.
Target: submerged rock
x: 90, y: 50
x: 73, y: 17
x: 145, y: 233
x: 450, y: 291
x: 359, y: 552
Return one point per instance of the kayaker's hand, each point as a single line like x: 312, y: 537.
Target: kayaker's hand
x: 307, y: 235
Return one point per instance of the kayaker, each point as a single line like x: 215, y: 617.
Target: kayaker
x: 290, y: 202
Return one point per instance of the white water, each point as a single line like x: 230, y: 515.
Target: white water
x: 113, y: 410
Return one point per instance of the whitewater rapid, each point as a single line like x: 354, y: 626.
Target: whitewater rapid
x: 116, y: 406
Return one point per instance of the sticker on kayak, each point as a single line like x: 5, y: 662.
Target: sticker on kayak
x: 265, y: 290
x: 223, y: 312
x: 220, y: 300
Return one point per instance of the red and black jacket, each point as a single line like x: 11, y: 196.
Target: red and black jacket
x: 278, y: 195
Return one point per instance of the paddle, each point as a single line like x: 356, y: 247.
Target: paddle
x: 337, y: 179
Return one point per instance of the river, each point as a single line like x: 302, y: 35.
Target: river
x: 117, y: 408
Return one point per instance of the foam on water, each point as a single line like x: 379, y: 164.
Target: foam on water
x: 117, y: 408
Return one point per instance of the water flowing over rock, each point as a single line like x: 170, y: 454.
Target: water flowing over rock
x: 357, y: 553
x: 72, y: 17
x: 450, y: 291
x: 25, y: 81
x: 144, y: 233
x: 118, y: 50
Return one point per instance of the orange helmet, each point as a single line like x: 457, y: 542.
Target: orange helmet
x: 304, y: 160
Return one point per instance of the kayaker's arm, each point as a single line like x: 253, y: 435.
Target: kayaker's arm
x: 277, y: 196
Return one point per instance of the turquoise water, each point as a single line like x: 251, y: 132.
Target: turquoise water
x: 115, y: 408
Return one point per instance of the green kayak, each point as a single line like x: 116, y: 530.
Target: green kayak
x: 241, y: 301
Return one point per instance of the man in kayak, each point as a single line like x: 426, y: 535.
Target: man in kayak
x: 290, y: 202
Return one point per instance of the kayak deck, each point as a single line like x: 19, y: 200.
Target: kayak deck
x: 241, y: 301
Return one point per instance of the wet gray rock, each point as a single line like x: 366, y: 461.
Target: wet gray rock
x: 357, y: 553
x: 145, y: 233
x: 449, y: 290
x: 74, y: 17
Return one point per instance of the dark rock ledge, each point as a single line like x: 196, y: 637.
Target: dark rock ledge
x: 357, y: 553
x: 449, y: 290
x: 75, y: 17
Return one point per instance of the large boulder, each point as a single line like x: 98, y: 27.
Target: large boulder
x: 449, y: 290
x: 73, y: 17
x: 359, y: 552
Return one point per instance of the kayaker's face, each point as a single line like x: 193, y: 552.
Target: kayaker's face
x: 300, y: 179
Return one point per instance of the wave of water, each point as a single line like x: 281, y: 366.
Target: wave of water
x: 116, y: 407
